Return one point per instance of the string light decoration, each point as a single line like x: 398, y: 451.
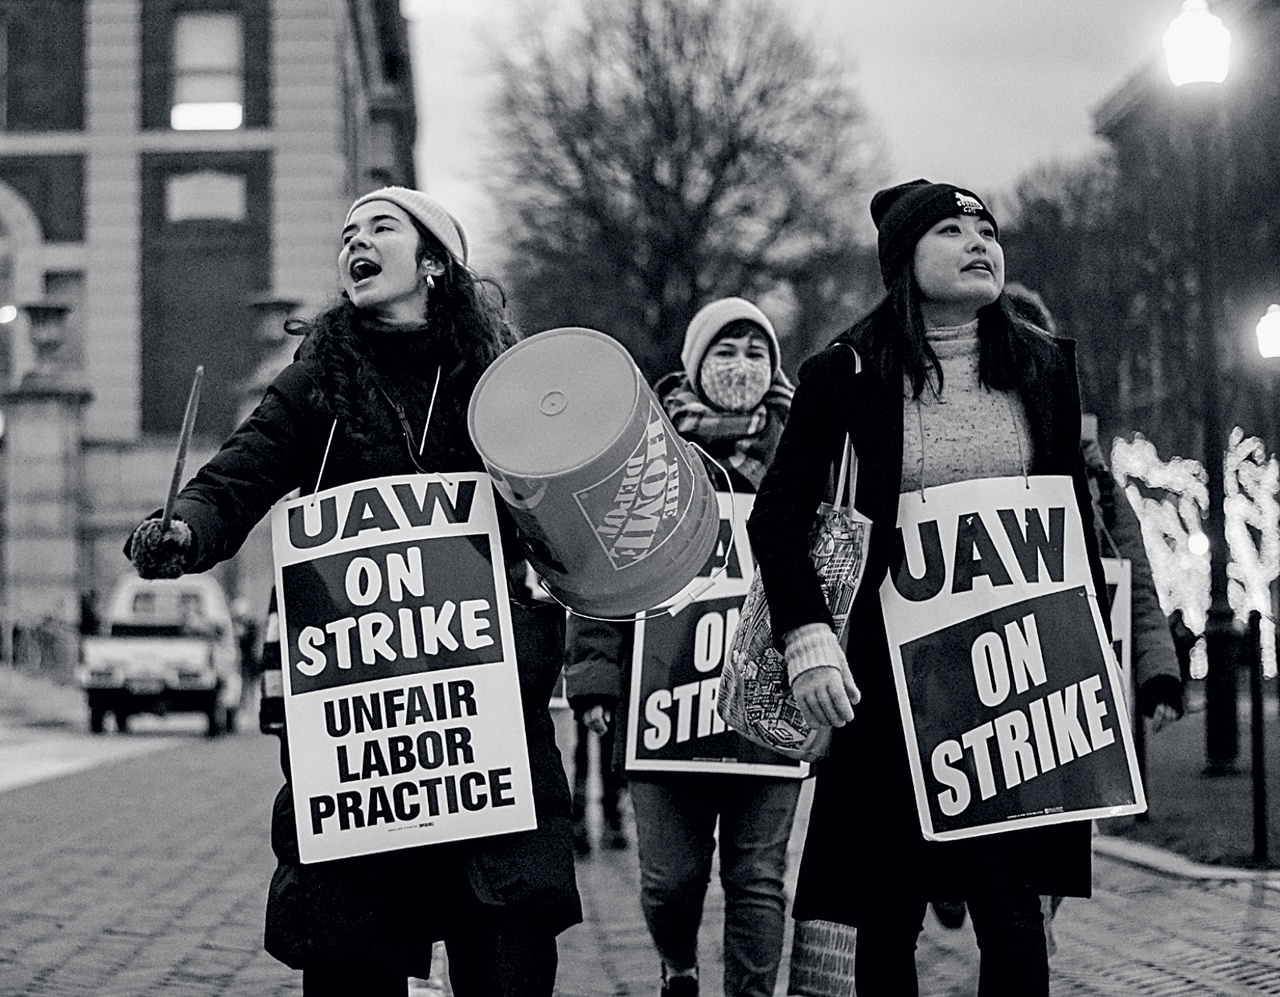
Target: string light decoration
x: 1169, y: 498
x: 1250, y: 510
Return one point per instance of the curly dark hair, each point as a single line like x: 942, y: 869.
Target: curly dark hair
x: 1011, y: 349
x: 464, y: 330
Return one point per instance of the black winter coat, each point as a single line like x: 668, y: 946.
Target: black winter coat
x: 864, y: 845
x: 388, y: 908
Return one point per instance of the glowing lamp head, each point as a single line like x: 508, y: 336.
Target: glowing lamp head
x: 1268, y: 331
x: 1198, y: 544
x: 1196, y: 45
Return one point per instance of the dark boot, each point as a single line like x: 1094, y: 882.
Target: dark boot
x: 614, y: 836
x: 581, y: 835
x: 581, y: 838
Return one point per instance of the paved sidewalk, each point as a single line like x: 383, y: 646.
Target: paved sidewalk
x: 1204, y: 932
x: 1157, y: 924
x: 146, y: 877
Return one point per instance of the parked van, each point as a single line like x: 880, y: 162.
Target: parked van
x: 169, y: 647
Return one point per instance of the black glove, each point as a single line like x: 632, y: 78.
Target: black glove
x: 157, y: 553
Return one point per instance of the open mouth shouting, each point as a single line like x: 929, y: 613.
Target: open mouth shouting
x: 362, y: 270
x: 983, y: 265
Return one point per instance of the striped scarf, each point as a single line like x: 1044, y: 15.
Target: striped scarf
x: 744, y: 442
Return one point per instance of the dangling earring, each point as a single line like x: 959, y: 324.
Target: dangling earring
x: 430, y: 282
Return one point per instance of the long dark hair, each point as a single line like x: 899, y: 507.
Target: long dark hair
x: 1011, y: 350
x: 465, y: 329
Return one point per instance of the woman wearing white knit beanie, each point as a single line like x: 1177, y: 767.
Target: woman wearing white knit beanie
x: 731, y: 398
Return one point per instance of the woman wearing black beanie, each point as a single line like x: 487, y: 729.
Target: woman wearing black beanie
x: 938, y: 384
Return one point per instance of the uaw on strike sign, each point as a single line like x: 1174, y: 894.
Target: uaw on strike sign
x: 1010, y: 697
x: 400, y: 687
x: 676, y: 662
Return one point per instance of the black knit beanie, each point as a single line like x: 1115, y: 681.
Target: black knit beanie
x: 906, y: 212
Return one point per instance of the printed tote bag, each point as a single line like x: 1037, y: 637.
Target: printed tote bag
x: 755, y: 697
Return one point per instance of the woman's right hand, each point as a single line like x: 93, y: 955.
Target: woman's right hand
x: 826, y: 696
x: 820, y: 678
x: 159, y: 552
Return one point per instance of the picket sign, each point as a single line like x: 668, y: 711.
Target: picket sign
x: 1011, y: 699
x: 676, y: 663
x: 1118, y: 575
x: 402, y: 699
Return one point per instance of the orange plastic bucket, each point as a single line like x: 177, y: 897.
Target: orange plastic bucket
x: 617, y: 510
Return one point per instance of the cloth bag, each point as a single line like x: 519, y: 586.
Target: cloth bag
x: 822, y: 959
x: 755, y: 697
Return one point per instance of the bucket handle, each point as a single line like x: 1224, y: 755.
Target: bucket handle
x: 688, y: 597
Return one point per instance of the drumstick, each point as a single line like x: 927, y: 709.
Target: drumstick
x: 184, y: 438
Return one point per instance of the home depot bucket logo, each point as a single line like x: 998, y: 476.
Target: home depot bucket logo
x: 635, y: 509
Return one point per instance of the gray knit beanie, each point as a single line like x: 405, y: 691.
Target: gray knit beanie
x: 429, y: 214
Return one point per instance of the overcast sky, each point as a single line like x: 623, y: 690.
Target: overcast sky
x: 974, y: 94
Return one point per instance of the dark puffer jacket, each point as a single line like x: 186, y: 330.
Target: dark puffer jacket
x: 388, y: 908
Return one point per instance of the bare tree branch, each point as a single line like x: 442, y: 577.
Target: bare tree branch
x: 664, y: 152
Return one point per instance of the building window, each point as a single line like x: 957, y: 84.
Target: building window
x: 206, y: 255
x: 42, y: 75
x: 205, y: 64
x: 54, y: 188
x: 208, y: 71
x: 205, y: 195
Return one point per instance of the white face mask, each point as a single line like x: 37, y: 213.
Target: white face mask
x: 735, y: 384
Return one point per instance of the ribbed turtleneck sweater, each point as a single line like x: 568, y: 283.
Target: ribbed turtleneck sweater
x: 968, y: 431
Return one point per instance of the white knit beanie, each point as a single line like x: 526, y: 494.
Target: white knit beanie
x: 707, y: 323
x: 429, y: 214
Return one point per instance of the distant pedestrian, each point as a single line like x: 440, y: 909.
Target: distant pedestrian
x: 612, y: 788
x: 732, y: 398
x: 90, y: 622
x: 380, y: 386
x: 940, y: 383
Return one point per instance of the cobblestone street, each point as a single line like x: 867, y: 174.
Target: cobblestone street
x: 142, y: 872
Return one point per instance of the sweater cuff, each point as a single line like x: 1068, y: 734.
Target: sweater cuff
x: 813, y: 645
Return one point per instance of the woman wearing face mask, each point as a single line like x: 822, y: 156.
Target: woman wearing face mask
x: 732, y: 398
x: 379, y: 386
x: 939, y: 384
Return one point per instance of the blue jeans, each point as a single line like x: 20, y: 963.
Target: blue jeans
x: 676, y: 818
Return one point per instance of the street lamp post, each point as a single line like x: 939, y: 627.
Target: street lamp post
x: 1197, y: 46
x: 1268, y: 332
